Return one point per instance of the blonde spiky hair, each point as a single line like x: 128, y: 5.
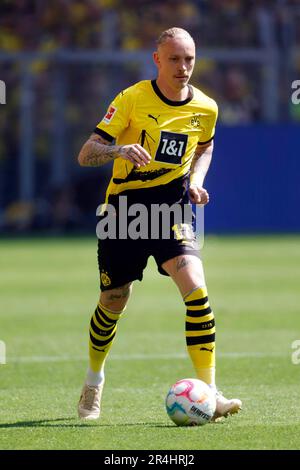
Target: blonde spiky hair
x: 172, y: 33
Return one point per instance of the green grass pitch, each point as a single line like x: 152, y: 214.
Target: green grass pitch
x: 49, y: 288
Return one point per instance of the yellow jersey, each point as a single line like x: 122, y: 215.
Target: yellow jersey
x: 168, y: 130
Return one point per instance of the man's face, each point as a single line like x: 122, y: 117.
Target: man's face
x: 175, y: 60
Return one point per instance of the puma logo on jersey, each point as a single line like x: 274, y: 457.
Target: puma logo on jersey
x: 153, y: 117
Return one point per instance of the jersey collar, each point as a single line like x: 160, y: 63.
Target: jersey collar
x: 170, y: 102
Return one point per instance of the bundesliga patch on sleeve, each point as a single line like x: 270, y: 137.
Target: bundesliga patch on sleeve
x: 110, y: 114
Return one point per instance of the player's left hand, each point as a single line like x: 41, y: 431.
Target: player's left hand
x: 198, y: 195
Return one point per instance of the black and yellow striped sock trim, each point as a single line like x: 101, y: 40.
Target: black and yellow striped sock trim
x: 103, y: 327
x: 200, y: 322
x: 200, y: 329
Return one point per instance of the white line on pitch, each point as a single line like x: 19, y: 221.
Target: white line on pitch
x: 143, y: 357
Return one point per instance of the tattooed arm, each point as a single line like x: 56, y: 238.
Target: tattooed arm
x: 200, y: 165
x: 98, y: 151
x: 201, y: 162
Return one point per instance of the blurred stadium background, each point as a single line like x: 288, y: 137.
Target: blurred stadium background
x: 62, y: 61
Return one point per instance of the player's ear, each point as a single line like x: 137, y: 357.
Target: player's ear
x: 156, y: 58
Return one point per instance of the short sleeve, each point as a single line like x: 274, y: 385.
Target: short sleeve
x: 117, y: 117
x: 208, y: 129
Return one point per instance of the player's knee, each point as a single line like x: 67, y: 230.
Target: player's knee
x: 116, y: 299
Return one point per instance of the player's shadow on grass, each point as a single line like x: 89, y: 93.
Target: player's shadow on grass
x: 49, y: 423
x: 42, y: 423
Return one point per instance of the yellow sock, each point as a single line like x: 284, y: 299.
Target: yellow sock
x: 200, y: 334
x: 103, y: 328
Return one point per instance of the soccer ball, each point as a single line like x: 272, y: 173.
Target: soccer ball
x: 190, y: 402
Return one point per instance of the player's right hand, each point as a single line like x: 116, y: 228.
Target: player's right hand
x: 136, y: 154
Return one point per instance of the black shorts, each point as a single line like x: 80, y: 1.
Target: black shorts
x: 121, y: 261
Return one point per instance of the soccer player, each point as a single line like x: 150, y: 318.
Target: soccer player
x: 163, y: 131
